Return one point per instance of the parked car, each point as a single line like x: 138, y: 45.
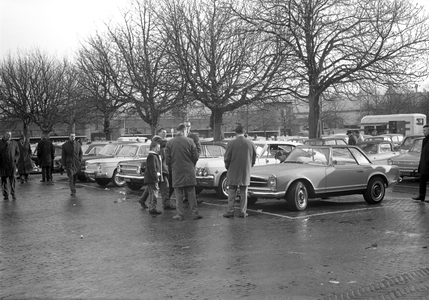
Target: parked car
x: 132, y: 171
x: 103, y: 170
x: 408, y: 163
x: 326, y: 140
x: 395, y: 138
x: 108, y: 150
x: 319, y: 172
x: 93, y: 148
x: 211, y: 171
x: 378, y: 151
x: 408, y: 142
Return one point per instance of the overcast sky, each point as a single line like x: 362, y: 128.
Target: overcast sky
x: 57, y: 26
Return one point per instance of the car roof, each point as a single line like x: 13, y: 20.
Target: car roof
x: 375, y: 142
x: 278, y: 142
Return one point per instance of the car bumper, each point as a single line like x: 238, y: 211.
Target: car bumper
x: 206, y: 181
x: 265, y: 193
x: 131, y: 178
x: 95, y: 175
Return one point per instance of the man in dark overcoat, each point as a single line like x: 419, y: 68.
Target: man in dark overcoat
x: 240, y: 157
x: 424, y: 166
x: 181, y: 156
x: 9, y: 155
x: 71, y: 156
x: 46, y: 155
x: 25, y: 165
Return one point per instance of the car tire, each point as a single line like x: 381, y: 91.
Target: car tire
x: 251, y: 200
x: 375, y: 191
x: 198, y: 190
x: 134, y: 186
x: 222, y: 188
x: 119, y: 182
x: 297, y: 196
x: 102, y: 181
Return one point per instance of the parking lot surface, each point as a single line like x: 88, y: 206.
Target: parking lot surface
x: 102, y: 245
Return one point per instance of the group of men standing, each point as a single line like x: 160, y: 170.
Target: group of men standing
x: 172, y: 164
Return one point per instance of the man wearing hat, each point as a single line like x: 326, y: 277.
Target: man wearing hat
x: 9, y: 155
x: 240, y: 157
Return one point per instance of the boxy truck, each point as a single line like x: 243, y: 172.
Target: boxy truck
x: 405, y: 124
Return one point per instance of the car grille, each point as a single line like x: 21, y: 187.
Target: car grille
x: 406, y: 164
x: 258, y: 182
x: 127, y: 169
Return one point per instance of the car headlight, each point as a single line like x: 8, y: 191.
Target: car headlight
x: 272, y: 182
x: 99, y: 167
x: 118, y: 168
x: 389, y: 161
x: 138, y: 169
x: 201, y: 172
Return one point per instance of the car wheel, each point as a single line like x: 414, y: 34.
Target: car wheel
x: 375, y: 191
x: 251, y: 200
x: 297, y: 196
x: 198, y: 190
x: 118, y: 181
x: 134, y: 186
x: 81, y: 178
x: 222, y: 189
x: 102, y: 181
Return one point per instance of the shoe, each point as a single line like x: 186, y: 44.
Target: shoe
x: 229, y: 214
x: 22, y: 181
x: 143, y: 204
x: 243, y: 215
x: 73, y: 194
x: 185, y: 201
x: 169, y: 207
x: 154, y: 212
x: 421, y: 198
x: 197, y: 217
x: 42, y: 180
x: 177, y: 217
x: 13, y: 197
x: 5, y: 199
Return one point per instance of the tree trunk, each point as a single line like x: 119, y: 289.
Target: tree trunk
x: 216, y: 119
x: 313, y: 116
x: 107, y: 130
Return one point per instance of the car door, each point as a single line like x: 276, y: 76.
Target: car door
x: 344, y: 173
x: 385, y: 151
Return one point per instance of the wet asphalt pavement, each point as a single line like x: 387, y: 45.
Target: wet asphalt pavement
x: 100, y: 244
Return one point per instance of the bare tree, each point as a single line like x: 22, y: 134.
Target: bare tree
x: 150, y: 80
x: 225, y: 65
x: 339, y: 44
x: 34, y: 90
x: 100, y: 70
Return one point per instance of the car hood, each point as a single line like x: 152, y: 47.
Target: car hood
x: 210, y: 162
x: 96, y: 157
x: 409, y: 156
x: 108, y: 160
x: 136, y: 162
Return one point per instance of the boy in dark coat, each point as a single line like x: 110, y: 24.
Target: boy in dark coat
x: 9, y: 155
x: 152, y: 176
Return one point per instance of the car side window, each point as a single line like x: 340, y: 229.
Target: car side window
x: 385, y: 148
x: 341, y: 142
x: 360, y: 158
x: 143, y: 152
x: 330, y: 142
x: 342, y: 156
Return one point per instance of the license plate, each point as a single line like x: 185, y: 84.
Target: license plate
x: 405, y: 173
x: 127, y: 179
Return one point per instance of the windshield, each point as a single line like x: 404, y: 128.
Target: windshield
x: 309, y: 155
x: 128, y: 151
x: 108, y: 150
x: 417, y: 146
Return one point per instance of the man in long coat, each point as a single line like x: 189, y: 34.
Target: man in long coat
x: 424, y: 166
x: 181, y: 156
x: 46, y: 155
x: 240, y: 157
x: 9, y: 155
x: 25, y: 166
x: 71, y: 157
